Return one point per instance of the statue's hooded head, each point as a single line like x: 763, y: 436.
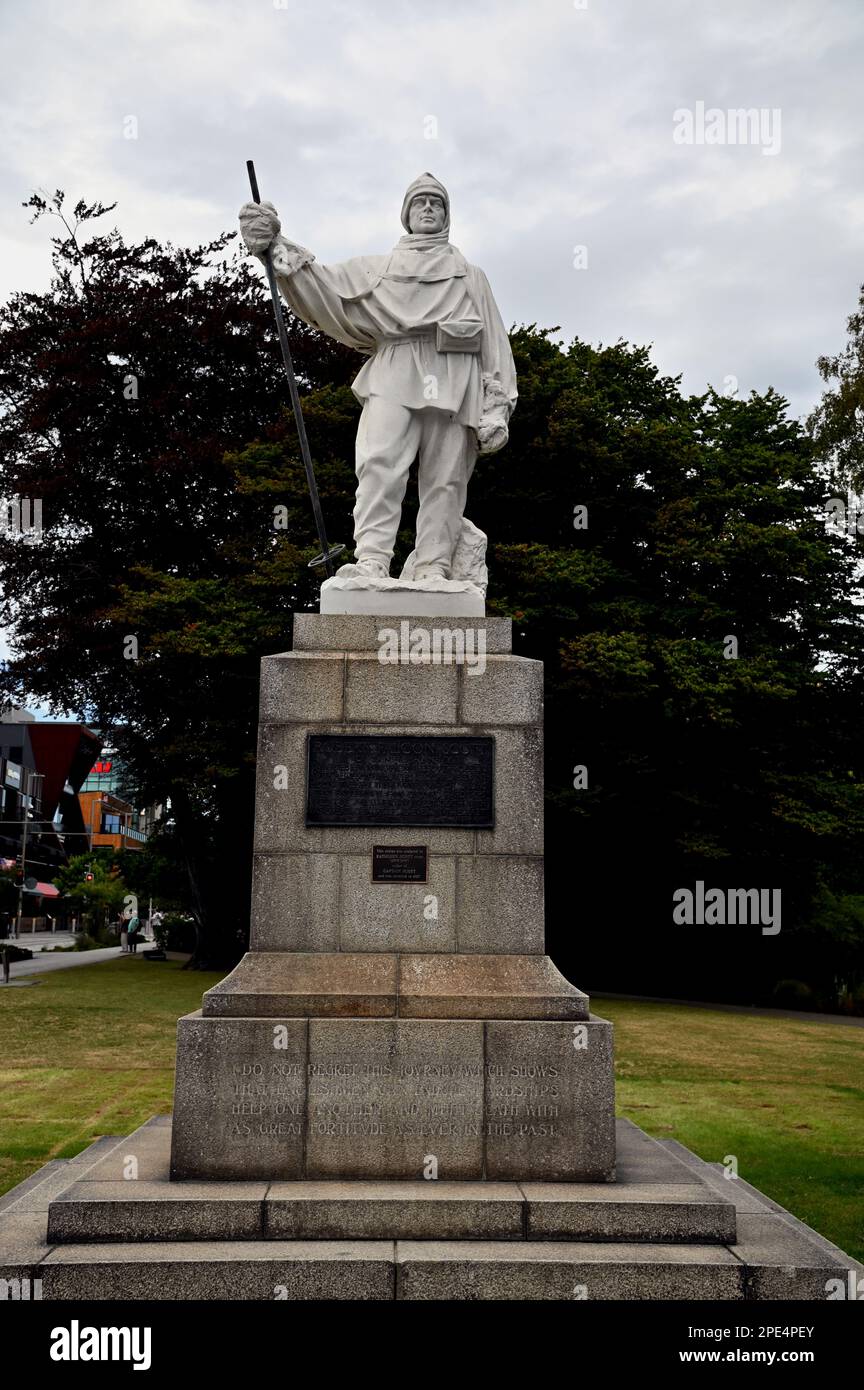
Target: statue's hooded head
x: 426, y: 186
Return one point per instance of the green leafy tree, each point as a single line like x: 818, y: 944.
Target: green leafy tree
x: 701, y: 629
x: 157, y: 871
x: 702, y: 639
x: 94, y: 884
x: 161, y: 577
x: 837, y: 423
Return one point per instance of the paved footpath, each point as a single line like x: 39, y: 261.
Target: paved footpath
x: 45, y: 962
x: 43, y: 940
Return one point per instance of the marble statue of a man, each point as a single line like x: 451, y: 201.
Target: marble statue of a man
x: 439, y: 383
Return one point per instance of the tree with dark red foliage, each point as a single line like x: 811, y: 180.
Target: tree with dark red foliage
x: 163, y: 572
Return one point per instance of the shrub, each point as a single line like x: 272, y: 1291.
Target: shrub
x: 793, y: 994
x: 175, y: 933
x: 15, y: 953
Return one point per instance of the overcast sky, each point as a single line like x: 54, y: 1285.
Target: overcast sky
x: 552, y: 124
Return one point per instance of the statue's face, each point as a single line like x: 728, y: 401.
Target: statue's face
x: 426, y: 213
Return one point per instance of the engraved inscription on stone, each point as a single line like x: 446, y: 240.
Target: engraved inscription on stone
x: 389, y: 779
x: 388, y: 1100
x: 400, y: 863
x: 266, y: 1101
x: 549, y: 1099
x: 524, y: 1099
x: 240, y: 1102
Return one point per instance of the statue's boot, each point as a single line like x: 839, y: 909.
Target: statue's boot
x: 429, y: 572
x: 364, y: 569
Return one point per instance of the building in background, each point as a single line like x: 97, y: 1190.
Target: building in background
x: 108, y: 774
x: 42, y: 766
x: 74, y: 798
x: 107, y: 800
x: 112, y: 821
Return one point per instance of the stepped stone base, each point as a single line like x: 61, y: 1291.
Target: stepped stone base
x: 669, y: 1227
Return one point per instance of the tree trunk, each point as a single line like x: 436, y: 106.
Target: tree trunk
x: 219, y: 932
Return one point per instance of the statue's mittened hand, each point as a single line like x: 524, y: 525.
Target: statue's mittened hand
x: 492, y: 435
x: 259, y: 226
x: 492, y: 432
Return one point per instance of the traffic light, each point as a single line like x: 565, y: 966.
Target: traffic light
x: 88, y: 878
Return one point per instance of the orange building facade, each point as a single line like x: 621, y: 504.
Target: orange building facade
x: 108, y: 820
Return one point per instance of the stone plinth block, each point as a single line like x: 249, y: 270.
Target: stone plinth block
x: 367, y: 984
x: 478, y: 903
x: 550, y: 1101
x: 509, y: 691
x: 394, y: 1098
x: 661, y: 1212
x: 383, y: 694
x: 295, y: 902
x: 306, y: 686
x: 400, y: 1098
x: 459, y: 1271
x: 90, y: 1211
x: 500, y: 904
x: 239, y: 1098
x: 398, y: 916
x: 402, y: 1210
x: 478, y: 986
x: 296, y: 984
x: 259, y: 1271
x: 315, y: 830
x: 356, y: 632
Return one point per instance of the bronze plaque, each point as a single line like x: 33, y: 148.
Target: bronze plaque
x: 400, y: 863
x: 393, y: 779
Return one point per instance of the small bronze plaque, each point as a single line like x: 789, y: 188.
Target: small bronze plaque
x: 399, y: 863
x: 400, y: 779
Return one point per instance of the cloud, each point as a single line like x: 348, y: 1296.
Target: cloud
x: 552, y: 128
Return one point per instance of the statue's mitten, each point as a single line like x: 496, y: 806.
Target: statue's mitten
x: 492, y: 432
x: 491, y: 436
x: 259, y: 226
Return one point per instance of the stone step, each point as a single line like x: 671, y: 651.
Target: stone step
x: 772, y: 1256
x: 24, y: 1210
x: 38, y: 1191
x: 785, y: 1258
x: 565, y: 1271
x: 127, y: 1196
x: 97, y: 1212
x: 384, y: 1270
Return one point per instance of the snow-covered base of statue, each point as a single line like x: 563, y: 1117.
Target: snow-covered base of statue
x: 405, y: 598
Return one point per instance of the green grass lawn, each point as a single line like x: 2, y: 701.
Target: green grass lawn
x: 90, y: 1051
x: 783, y: 1096
x: 87, y: 1051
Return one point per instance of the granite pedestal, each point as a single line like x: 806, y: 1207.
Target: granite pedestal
x: 397, y: 1029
